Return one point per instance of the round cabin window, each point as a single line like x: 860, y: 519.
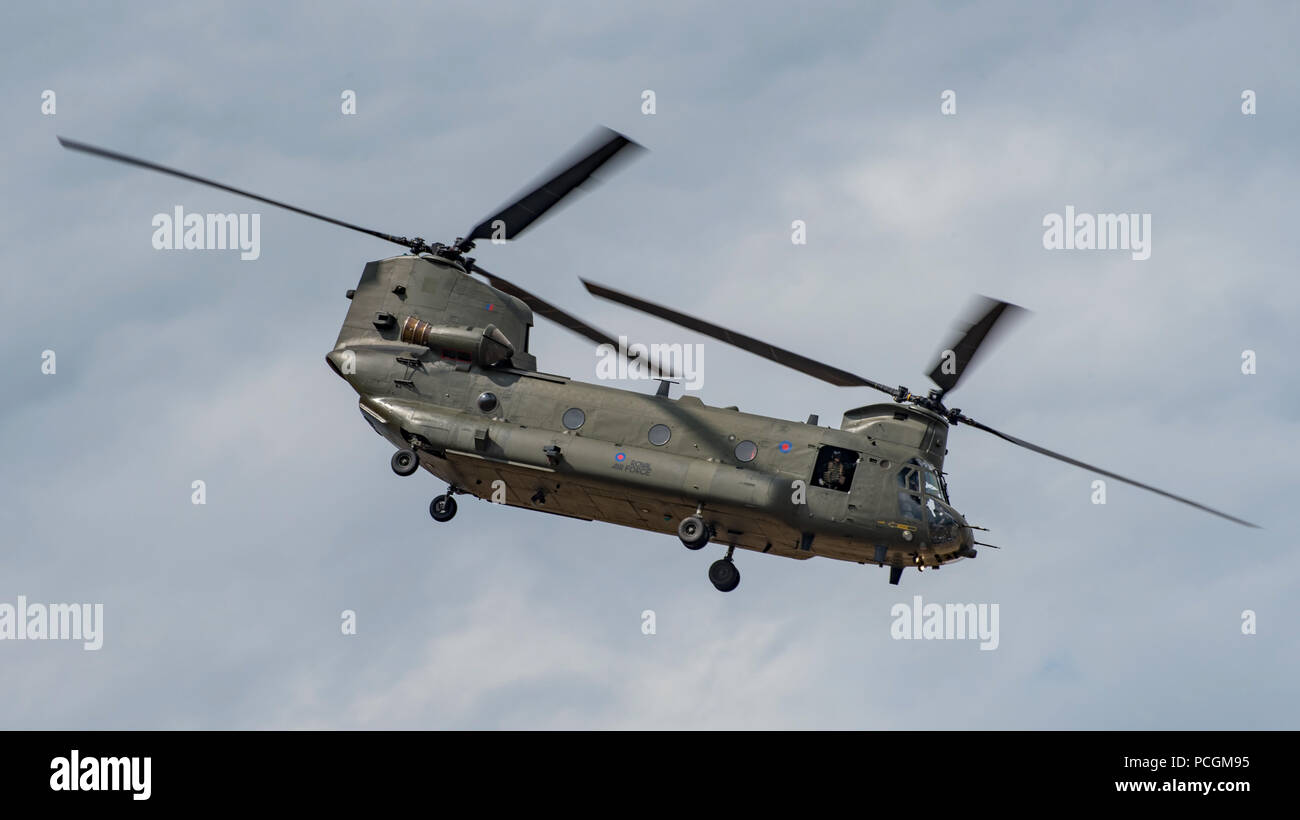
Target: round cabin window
x: 746, y: 450
x: 574, y: 418
x: 487, y: 402
x: 659, y: 435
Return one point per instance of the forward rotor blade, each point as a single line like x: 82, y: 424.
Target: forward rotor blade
x: 1091, y: 468
x: 74, y: 145
x: 515, y: 218
x: 811, y: 367
x: 983, y: 318
x: 541, y: 307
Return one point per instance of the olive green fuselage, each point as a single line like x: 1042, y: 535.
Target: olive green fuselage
x: 518, y: 447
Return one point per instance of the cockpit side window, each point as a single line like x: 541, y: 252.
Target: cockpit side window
x: 914, y: 472
x: 909, y: 506
x: 908, y: 478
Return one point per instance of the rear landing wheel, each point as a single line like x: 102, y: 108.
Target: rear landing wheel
x: 724, y: 575
x: 442, y: 508
x: 405, y: 462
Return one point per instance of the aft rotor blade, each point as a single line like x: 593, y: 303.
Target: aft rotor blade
x: 803, y: 364
x: 541, y: 307
x: 983, y: 319
x: 74, y: 145
x: 515, y: 218
x: 1091, y: 468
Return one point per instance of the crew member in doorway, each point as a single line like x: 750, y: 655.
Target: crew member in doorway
x: 833, y: 477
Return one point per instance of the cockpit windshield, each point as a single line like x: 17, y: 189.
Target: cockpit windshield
x: 932, y: 486
x: 943, y: 526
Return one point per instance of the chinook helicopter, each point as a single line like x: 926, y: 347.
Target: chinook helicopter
x: 442, y: 366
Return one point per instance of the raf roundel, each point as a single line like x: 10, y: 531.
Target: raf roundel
x: 620, y: 456
x: 785, y: 446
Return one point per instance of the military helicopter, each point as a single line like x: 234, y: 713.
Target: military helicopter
x: 441, y: 363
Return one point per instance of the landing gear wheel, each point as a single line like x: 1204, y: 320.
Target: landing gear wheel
x: 405, y: 462
x: 693, y: 532
x: 442, y: 508
x: 724, y: 575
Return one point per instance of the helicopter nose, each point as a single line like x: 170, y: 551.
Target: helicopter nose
x: 967, y: 549
x: 968, y: 546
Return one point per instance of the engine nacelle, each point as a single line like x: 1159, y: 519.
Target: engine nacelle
x: 485, y: 345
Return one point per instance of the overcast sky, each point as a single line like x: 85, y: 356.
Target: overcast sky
x: 176, y: 366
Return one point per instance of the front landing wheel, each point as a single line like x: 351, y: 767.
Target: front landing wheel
x: 405, y: 462
x: 693, y: 532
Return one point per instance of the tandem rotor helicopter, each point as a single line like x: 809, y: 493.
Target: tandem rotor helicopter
x: 441, y: 364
